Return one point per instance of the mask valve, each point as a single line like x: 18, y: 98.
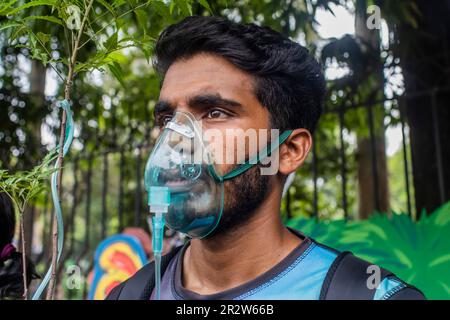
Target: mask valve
x: 158, y: 201
x: 191, y: 171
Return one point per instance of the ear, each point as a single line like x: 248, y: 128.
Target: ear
x: 294, y: 150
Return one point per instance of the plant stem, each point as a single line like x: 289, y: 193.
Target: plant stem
x: 24, y: 258
x: 67, y: 89
x: 120, y: 16
x: 51, y: 286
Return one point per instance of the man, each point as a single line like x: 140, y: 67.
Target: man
x: 234, y: 76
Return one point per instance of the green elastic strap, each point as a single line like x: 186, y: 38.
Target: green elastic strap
x: 247, y: 165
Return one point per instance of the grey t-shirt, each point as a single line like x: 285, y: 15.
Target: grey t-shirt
x: 172, y: 287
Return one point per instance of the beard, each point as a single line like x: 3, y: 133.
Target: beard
x: 243, y: 195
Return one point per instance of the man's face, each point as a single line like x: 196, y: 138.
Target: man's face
x: 223, y: 98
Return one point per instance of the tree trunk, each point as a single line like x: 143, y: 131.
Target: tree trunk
x: 367, y: 194
x: 425, y: 60
x: 37, y: 79
x: 28, y: 220
x: 373, y: 190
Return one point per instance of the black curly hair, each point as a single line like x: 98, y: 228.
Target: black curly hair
x: 289, y: 82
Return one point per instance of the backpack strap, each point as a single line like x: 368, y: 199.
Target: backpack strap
x: 347, y: 279
x: 141, y: 284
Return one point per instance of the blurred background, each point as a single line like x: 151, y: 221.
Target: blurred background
x: 377, y: 182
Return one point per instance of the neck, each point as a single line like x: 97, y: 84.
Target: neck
x: 228, y: 260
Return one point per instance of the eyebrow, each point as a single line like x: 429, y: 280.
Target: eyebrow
x: 205, y: 100
x: 197, y: 101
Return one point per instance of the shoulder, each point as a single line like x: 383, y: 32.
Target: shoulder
x: 408, y: 293
x: 133, y: 287
x: 140, y: 285
x: 114, y: 294
x: 352, y: 278
x: 392, y: 288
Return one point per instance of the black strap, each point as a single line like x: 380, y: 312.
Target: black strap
x: 140, y: 285
x: 347, y: 279
x: 408, y: 293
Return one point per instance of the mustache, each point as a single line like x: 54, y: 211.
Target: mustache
x: 179, y: 182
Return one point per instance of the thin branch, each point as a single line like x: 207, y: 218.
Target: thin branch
x: 50, y: 56
x: 69, y: 45
x: 67, y: 89
x: 24, y: 257
x: 88, y: 67
x: 101, y: 15
x: 108, y: 24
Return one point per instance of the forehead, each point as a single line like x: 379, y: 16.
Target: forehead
x: 206, y: 73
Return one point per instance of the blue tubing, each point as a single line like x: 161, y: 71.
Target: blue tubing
x: 54, y: 182
x: 158, y: 275
x: 157, y: 244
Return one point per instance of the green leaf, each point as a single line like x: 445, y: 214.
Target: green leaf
x: 9, y: 24
x: 147, y: 45
x: 172, y: 6
x: 205, y: 4
x: 402, y: 257
x: 418, y: 252
x: 111, y: 43
x: 47, y: 18
x: 5, y: 6
x: 19, y: 32
x: 35, y: 46
x: 32, y: 4
x: 118, y: 3
x: 32, y: 40
x: 184, y: 6
x: 108, y: 7
x: 142, y: 19
x: 43, y: 37
x: 116, y: 70
x: 440, y: 260
x: 161, y: 9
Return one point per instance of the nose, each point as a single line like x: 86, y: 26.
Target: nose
x: 182, y: 107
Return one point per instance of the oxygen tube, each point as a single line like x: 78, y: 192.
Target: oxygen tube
x: 58, y: 212
x: 158, y: 201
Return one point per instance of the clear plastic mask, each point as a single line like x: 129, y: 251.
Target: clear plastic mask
x: 180, y: 162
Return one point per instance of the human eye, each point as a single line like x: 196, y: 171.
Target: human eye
x: 217, y: 114
x: 164, y: 119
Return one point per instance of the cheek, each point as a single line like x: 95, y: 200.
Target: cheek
x: 234, y: 147
x: 229, y: 149
x: 233, y: 142
x: 224, y: 168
